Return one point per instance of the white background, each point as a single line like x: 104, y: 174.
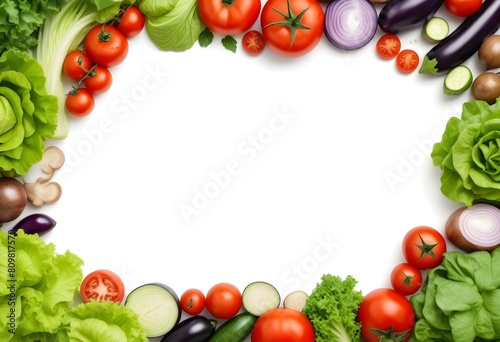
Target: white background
x: 313, y: 197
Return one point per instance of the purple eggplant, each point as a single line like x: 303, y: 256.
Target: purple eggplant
x: 34, y: 224
x: 402, y: 15
x: 193, y: 329
x: 464, y: 41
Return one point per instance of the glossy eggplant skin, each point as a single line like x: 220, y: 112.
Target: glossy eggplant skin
x: 402, y: 15
x: 464, y: 41
x: 193, y: 329
x: 34, y: 224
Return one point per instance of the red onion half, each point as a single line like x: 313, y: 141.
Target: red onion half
x: 350, y: 24
x: 475, y: 228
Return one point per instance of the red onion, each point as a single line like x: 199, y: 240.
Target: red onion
x: 350, y: 24
x: 475, y: 228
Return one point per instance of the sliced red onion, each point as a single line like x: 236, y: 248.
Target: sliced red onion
x: 350, y: 24
x: 480, y: 224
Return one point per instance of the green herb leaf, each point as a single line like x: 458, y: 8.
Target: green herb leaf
x: 229, y: 43
x: 205, y: 38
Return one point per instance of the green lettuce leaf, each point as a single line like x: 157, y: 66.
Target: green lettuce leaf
x: 37, y: 286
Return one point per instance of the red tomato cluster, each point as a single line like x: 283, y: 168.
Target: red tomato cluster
x: 388, y: 46
x: 388, y: 312
x: 104, y: 46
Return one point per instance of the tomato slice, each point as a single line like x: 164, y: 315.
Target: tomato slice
x: 388, y: 46
x: 407, y: 61
x: 253, y: 42
x: 102, y: 285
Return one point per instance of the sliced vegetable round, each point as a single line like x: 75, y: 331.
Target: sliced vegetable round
x: 260, y: 296
x: 350, y: 24
x: 157, y: 306
x: 407, y: 61
x: 436, y: 29
x: 295, y: 300
x: 253, y: 42
x: 102, y: 285
x: 474, y: 229
x: 457, y: 80
x: 388, y: 46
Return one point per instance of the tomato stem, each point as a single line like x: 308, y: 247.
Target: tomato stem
x: 228, y: 2
x: 291, y: 20
x: 104, y: 36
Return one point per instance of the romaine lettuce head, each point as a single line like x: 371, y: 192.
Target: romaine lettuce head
x: 27, y: 113
x: 37, y: 287
x: 468, y: 154
x: 101, y: 321
x: 172, y: 25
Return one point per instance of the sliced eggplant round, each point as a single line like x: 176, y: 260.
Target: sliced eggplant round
x: 260, y: 296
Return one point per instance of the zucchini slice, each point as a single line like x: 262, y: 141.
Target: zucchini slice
x: 457, y: 80
x: 259, y: 296
x: 436, y: 29
x: 157, y: 306
x: 295, y: 300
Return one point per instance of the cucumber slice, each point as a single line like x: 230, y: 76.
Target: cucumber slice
x: 436, y: 29
x: 458, y: 80
x: 259, y: 296
x: 295, y: 300
x: 157, y: 306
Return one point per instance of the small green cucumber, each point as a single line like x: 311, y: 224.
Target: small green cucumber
x: 236, y: 329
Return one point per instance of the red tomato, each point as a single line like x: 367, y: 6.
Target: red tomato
x: 253, y: 42
x: 388, y: 46
x: 406, y: 279
x: 229, y: 17
x: 102, y: 285
x: 131, y: 21
x: 106, y: 45
x: 407, y: 61
x: 462, y: 8
x: 80, y: 102
x: 385, y: 313
x: 283, y: 325
x: 76, y: 64
x: 192, y: 301
x: 99, y: 80
x: 223, y: 300
x: 292, y: 28
x: 423, y: 247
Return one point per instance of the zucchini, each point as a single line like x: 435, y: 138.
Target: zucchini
x: 259, y: 296
x: 402, y: 15
x: 458, y: 80
x: 236, y: 329
x: 436, y: 29
x: 193, y: 329
x: 464, y: 41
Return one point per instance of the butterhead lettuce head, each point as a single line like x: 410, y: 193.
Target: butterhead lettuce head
x: 27, y: 113
x: 469, y: 154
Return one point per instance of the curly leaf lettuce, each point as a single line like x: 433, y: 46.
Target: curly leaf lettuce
x: 101, y: 321
x: 469, y: 155
x: 27, y: 113
x: 40, y: 291
x: 332, y: 308
x: 460, y: 299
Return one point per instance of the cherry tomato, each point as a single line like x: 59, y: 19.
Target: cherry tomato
x: 80, y: 102
x: 102, y: 285
x: 388, y: 46
x: 462, y: 8
x: 106, y: 45
x: 283, y: 325
x: 76, y: 64
x: 131, y: 21
x: 253, y: 42
x: 192, y: 301
x: 223, y: 300
x: 292, y: 34
x: 229, y: 17
x: 406, y: 279
x: 99, y: 80
x: 423, y: 247
x: 407, y: 61
x: 385, y: 313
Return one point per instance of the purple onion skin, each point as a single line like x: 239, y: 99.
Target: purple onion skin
x: 34, y: 224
